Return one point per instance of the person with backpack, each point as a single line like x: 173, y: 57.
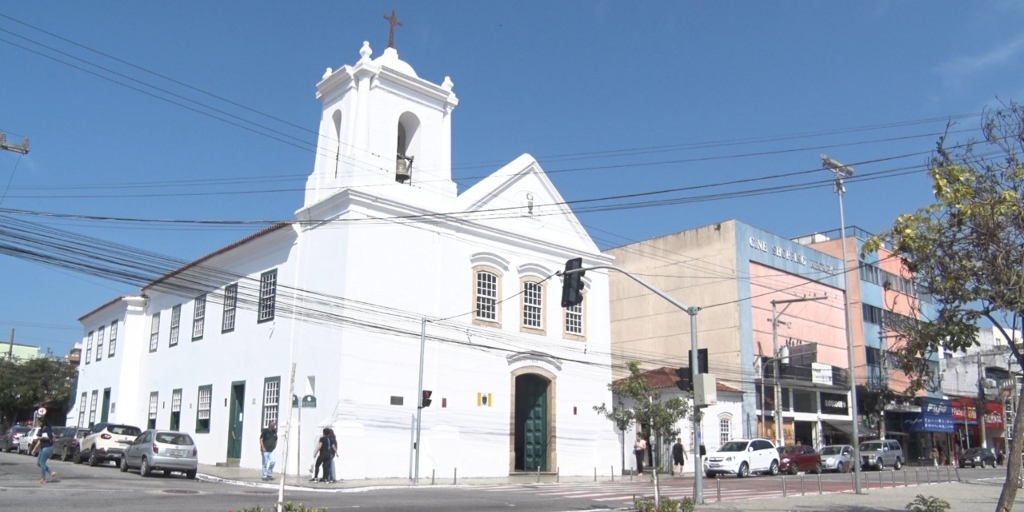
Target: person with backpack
x: 324, y: 453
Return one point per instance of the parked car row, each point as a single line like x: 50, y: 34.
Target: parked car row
x: 130, y: 447
x: 741, y: 457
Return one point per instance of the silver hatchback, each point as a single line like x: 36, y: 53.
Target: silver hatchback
x: 161, y: 450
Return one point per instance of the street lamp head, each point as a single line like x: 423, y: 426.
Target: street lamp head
x: 839, y: 169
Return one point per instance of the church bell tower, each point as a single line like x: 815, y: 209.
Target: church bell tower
x: 384, y: 130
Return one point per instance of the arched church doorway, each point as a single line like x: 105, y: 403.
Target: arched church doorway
x: 532, y: 422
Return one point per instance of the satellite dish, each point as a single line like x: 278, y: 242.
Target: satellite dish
x: 40, y: 412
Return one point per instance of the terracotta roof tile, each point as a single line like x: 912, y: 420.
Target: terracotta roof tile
x: 665, y: 378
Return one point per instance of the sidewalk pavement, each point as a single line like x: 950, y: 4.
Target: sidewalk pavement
x: 253, y: 477
x: 976, y: 495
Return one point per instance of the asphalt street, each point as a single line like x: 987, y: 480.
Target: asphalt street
x: 83, y: 488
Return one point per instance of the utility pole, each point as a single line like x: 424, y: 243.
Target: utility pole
x: 981, y: 402
x: 779, y: 438
x: 10, y: 347
x: 883, y: 377
x: 17, y: 148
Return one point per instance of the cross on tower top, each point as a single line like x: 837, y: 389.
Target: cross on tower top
x: 393, y: 20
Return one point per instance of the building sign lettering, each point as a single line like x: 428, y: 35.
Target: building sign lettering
x: 833, y: 403
x: 788, y: 255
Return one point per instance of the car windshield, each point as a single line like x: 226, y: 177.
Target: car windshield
x: 831, y: 450
x: 871, y: 447
x: 124, y: 430
x: 734, y: 446
x: 973, y: 451
x: 784, y: 450
x: 19, y: 430
x: 173, y: 438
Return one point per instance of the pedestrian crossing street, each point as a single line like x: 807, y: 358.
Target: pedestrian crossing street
x: 620, y: 493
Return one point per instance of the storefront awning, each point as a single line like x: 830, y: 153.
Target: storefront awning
x: 844, y: 426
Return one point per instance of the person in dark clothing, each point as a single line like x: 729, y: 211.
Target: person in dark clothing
x: 268, y: 441
x: 334, y: 452
x: 324, y: 453
x: 678, y: 455
x: 44, y: 447
x: 639, y: 449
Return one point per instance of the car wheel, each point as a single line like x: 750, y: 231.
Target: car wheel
x: 793, y: 469
x: 709, y: 474
x: 144, y: 469
x: 774, y: 468
x: 744, y: 470
x: 65, y: 455
x: 93, y: 461
x: 898, y: 464
x: 817, y: 468
x: 879, y: 464
x: 190, y: 474
x: 77, y: 457
x: 124, y: 464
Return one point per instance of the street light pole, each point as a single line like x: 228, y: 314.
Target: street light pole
x: 840, y: 172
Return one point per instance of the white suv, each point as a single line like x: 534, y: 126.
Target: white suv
x: 106, y: 441
x: 741, y: 457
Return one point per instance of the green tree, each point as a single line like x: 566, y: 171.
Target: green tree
x: 966, y: 250
x: 27, y: 384
x: 645, y: 408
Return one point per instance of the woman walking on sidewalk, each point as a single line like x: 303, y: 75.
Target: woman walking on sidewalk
x: 44, y: 447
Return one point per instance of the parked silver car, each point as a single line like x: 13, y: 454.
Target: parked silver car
x: 161, y: 450
x: 836, y: 457
x: 880, y: 453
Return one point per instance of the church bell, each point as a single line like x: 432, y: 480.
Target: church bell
x: 403, y: 168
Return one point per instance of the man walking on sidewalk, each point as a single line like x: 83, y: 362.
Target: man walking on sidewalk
x: 268, y: 441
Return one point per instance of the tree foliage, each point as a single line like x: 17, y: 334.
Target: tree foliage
x: 27, y: 384
x: 966, y: 250
x: 647, y: 408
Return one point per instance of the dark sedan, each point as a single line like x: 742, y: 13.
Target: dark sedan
x: 68, y: 441
x: 9, y: 441
x: 977, y: 457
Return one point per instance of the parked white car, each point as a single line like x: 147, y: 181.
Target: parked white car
x: 741, y: 457
x: 26, y: 441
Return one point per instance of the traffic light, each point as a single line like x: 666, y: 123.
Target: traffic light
x: 425, y: 401
x: 572, y: 284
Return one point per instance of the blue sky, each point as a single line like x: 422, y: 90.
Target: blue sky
x: 612, y: 98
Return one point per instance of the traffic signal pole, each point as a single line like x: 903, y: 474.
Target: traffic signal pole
x: 698, y: 473
x: 419, y: 403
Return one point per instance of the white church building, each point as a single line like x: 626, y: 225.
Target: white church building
x: 382, y: 242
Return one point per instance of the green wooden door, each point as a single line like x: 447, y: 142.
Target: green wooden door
x: 105, y: 411
x: 535, y: 428
x: 237, y: 413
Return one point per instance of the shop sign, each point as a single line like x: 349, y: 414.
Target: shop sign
x: 994, y: 415
x: 821, y: 373
x: 832, y: 403
x: 964, y: 408
x: 936, y: 416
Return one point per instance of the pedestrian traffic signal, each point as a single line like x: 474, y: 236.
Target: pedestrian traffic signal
x: 425, y: 402
x: 572, y: 283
